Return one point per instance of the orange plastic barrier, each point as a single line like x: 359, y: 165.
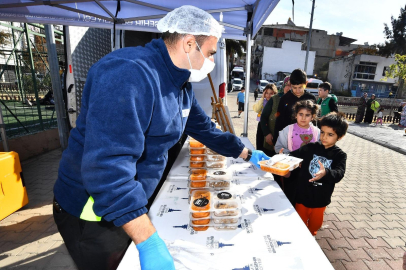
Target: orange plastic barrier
x: 13, y: 194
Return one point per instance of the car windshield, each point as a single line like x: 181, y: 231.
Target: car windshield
x: 237, y: 81
x: 312, y: 85
x: 264, y: 84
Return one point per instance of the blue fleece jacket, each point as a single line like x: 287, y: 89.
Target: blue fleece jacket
x: 134, y: 108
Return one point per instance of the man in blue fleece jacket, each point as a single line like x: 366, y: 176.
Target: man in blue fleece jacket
x: 136, y: 104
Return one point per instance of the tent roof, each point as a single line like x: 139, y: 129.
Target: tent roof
x: 137, y: 15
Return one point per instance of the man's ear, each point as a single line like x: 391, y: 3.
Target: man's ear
x: 188, y: 43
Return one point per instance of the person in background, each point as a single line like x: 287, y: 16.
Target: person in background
x: 402, y: 122
x: 327, y: 101
x: 362, y: 104
x: 369, y: 114
x: 268, y: 116
x: 256, y: 94
x: 295, y: 136
x: 241, y: 101
x: 119, y: 148
x: 298, y: 81
x: 269, y: 91
x: 323, y: 166
x: 380, y: 117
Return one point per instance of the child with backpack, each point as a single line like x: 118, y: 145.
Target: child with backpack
x: 323, y: 166
x: 327, y: 101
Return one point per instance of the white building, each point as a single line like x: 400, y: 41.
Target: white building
x: 285, y: 60
x: 361, y: 73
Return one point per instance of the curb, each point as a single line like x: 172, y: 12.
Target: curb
x: 380, y: 142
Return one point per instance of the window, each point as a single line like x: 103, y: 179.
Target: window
x: 384, y: 71
x: 381, y: 89
x: 365, y: 70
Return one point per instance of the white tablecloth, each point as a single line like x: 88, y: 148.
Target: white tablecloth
x: 271, y: 234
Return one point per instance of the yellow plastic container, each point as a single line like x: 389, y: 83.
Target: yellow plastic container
x: 13, y: 194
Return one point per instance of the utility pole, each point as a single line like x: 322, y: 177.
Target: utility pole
x: 309, y: 36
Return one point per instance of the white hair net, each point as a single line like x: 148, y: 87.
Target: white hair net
x: 190, y: 20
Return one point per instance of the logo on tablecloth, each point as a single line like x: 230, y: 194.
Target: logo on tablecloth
x: 260, y: 211
x: 254, y: 190
x: 272, y: 244
x: 255, y: 265
x: 186, y: 227
x: 241, y: 198
x: 236, y: 182
x: 172, y: 188
x: 246, y: 225
x: 165, y: 209
x: 215, y: 244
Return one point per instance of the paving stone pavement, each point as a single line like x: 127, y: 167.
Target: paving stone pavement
x: 364, y: 226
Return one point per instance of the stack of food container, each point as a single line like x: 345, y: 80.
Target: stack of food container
x: 212, y: 204
x: 217, y: 209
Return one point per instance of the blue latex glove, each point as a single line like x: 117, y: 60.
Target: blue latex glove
x: 258, y: 155
x: 154, y: 254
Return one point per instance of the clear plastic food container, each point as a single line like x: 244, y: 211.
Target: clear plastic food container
x: 210, y: 152
x: 197, y: 158
x: 216, y: 158
x: 216, y: 164
x: 197, y: 164
x: 280, y: 164
x: 224, y: 208
x: 226, y: 219
x: 225, y: 227
x: 219, y: 174
x: 197, y: 151
x: 195, y: 143
x: 201, y: 201
x: 210, y: 183
x: 198, y: 174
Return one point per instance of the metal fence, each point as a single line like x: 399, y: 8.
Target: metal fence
x: 26, y: 96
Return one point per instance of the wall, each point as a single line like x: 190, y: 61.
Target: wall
x: 286, y: 59
x: 340, y: 72
x: 382, y: 62
x: 34, y: 144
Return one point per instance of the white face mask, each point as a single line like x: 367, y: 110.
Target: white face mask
x: 196, y: 75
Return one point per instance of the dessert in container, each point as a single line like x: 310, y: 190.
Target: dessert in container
x: 216, y: 164
x: 198, y: 174
x: 219, y: 174
x: 201, y: 201
x: 215, y: 157
x: 197, y: 158
x: 197, y: 151
x: 225, y: 227
x: 210, y: 152
x: 226, y: 219
x: 222, y: 208
x: 197, y: 164
x: 210, y: 183
x: 280, y: 164
x: 195, y: 144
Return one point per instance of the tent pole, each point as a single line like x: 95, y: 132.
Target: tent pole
x: 62, y: 119
x: 247, y: 84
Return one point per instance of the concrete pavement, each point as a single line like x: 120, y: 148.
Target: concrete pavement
x: 364, y: 226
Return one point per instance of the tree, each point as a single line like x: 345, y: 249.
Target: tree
x: 397, y: 70
x: 234, y: 47
x: 396, y: 37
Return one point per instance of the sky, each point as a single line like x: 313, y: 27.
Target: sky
x: 362, y: 20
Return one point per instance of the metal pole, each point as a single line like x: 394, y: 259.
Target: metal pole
x: 17, y: 66
x: 3, y: 132
x: 34, y: 79
x: 62, y: 119
x: 309, y: 37
x: 247, y: 84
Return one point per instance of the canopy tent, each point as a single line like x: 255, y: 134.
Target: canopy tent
x: 242, y: 19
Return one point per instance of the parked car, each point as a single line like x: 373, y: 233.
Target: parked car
x: 278, y: 84
x: 237, y: 84
x: 262, y: 84
x: 313, y: 86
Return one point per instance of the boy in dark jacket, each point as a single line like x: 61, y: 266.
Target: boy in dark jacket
x: 323, y: 166
x: 298, y: 81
